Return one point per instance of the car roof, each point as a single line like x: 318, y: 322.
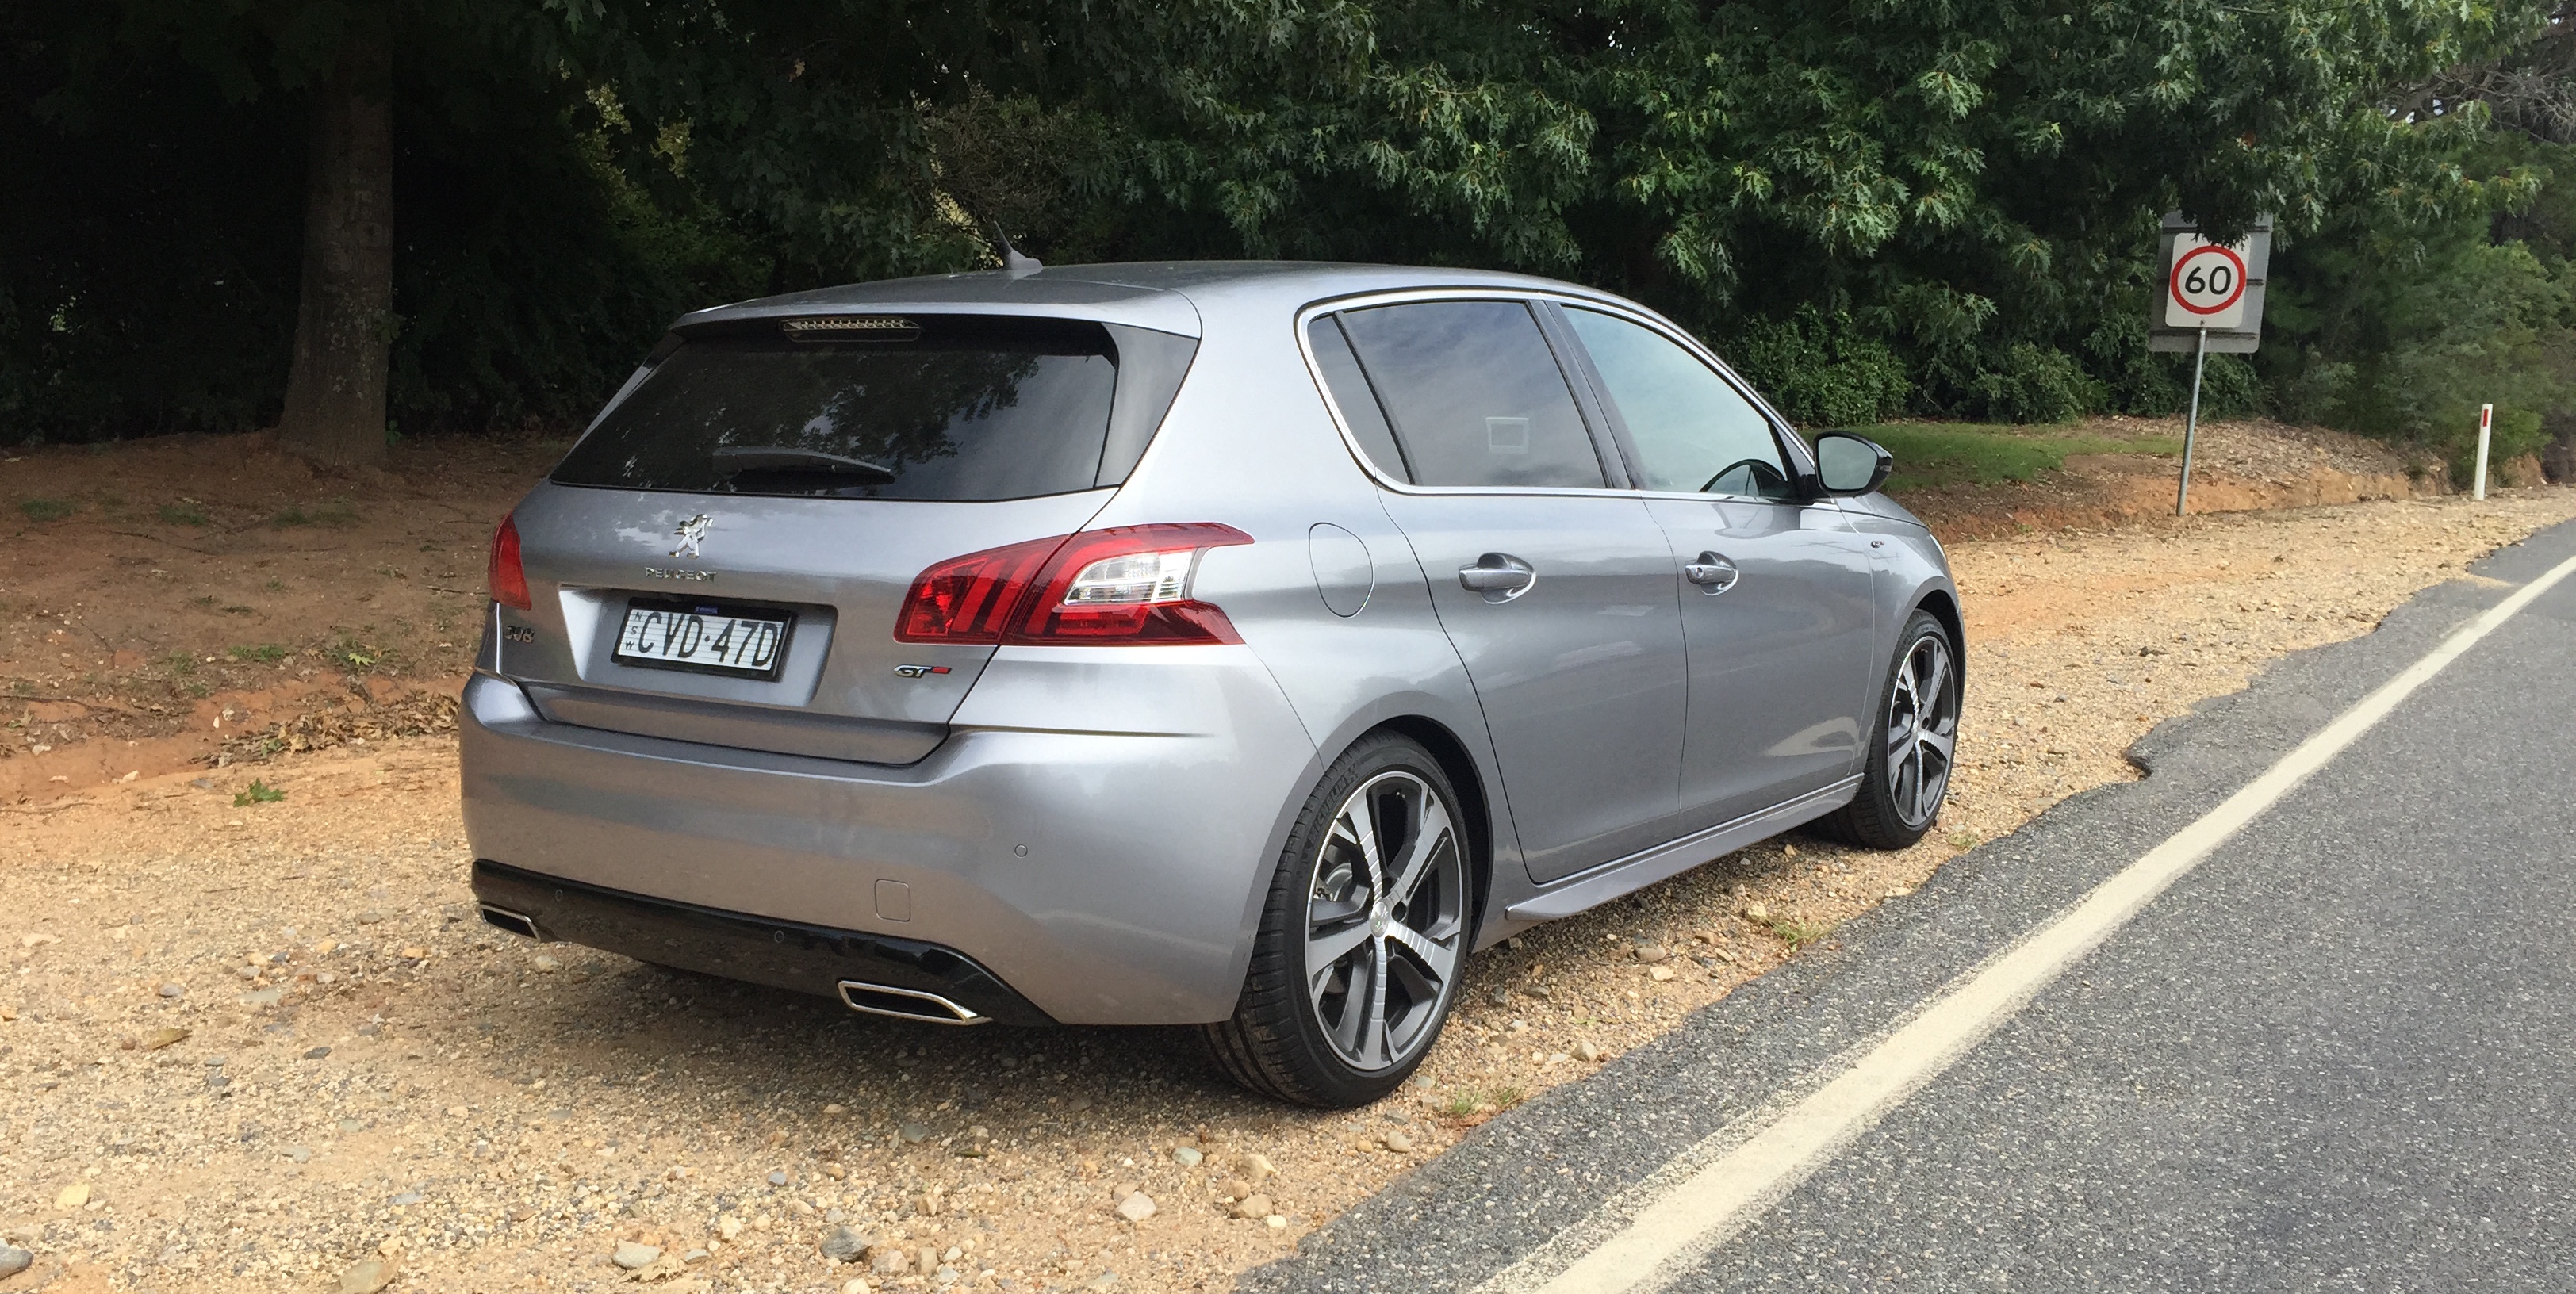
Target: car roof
x: 1161, y: 295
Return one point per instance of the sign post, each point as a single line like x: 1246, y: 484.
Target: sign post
x: 2486, y: 427
x: 2212, y: 300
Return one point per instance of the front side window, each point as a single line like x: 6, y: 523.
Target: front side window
x: 1472, y: 394
x: 1693, y: 431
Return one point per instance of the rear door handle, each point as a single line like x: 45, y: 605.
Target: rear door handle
x: 1499, y: 576
x: 1712, y: 572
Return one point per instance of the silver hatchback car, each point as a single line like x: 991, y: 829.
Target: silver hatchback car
x: 1234, y: 645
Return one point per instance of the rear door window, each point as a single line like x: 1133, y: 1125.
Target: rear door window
x: 936, y: 407
x: 1472, y: 393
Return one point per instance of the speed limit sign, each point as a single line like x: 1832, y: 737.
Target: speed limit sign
x: 2206, y: 287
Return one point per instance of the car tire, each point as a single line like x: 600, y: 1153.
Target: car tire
x: 1912, y: 744
x: 1356, y: 964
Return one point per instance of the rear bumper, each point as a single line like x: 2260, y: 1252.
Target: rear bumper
x: 782, y: 954
x: 1106, y: 868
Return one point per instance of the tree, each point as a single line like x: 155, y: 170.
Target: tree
x: 344, y: 328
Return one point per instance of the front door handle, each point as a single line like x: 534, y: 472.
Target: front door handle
x: 1712, y: 572
x: 1499, y: 576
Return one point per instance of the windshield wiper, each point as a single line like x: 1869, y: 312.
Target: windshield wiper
x: 735, y: 460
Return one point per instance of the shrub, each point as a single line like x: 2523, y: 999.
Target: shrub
x: 1821, y: 372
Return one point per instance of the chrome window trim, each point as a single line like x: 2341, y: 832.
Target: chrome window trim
x: 1647, y: 319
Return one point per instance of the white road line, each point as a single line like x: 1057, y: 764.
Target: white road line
x: 1649, y: 1236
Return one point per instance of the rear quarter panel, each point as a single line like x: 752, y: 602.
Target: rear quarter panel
x: 1250, y: 443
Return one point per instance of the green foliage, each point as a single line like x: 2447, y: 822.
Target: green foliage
x: 182, y: 514
x: 264, y: 653
x: 1944, y: 209
x: 47, y: 509
x: 259, y: 793
x: 1820, y: 372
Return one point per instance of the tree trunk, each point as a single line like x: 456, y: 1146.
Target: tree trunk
x: 344, y: 322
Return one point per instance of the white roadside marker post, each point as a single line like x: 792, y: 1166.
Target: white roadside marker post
x: 2486, y: 427
x: 2191, y: 425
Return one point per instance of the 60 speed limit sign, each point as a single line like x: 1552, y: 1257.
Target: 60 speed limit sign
x: 2207, y: 286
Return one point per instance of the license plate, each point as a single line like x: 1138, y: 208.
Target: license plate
x: 745, y: 642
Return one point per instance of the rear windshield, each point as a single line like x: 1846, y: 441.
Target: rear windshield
x: 958, y: 408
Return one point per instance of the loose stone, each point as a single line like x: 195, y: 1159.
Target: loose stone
x: 844, y: 1244
x: 631, y: 1255
x: 14, y: 1260
x: 1253, y: 1206
x: 367, y: 1276
x: 1187, y: 1156
x: 1136, y: 1207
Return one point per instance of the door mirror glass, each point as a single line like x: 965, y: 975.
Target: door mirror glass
x: 1849, y: 464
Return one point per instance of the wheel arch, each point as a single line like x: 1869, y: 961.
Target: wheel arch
x: 1944, y: 607
x: 1460, y: 767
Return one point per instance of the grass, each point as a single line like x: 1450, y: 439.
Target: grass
x: 46, y: 509
x: 1798, y: 934
x: 259, y: 793
x: 1471, y: 1102
x: 1934, y: 454
x: 355, y: 655
x: 183, y: 514
x: 262, y: 654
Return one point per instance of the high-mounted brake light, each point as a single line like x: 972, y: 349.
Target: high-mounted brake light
x: 507, y: 578
x: 1125, y: 585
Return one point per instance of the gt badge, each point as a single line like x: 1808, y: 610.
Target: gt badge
x: 918, y: 671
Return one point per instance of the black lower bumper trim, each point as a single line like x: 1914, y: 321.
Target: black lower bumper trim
x: 736, y: 945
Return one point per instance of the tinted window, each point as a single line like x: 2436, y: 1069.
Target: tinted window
x: 956, y: 408
x: 1692, y: 430
x: 1351, y: 393
x: 1473, y: 394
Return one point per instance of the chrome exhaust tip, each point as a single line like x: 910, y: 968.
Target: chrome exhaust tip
x: 906, y: 1004
x: 514, y: 922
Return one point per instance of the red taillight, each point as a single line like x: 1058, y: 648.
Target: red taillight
x: 508, y: 579
x: 1127, y: 584
x: 969, y: 599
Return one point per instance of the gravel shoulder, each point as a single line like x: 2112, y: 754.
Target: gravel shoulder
x: 367, y: 1073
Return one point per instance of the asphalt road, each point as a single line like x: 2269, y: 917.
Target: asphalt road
x: 2340, y: 1054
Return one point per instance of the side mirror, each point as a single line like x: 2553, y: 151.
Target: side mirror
x: 1849, y: 464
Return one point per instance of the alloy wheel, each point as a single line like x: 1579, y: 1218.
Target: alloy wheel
x: 1385, y: 921
x: 1922, y: 730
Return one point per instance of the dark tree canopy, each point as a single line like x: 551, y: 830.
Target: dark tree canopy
x: 1880, y: 206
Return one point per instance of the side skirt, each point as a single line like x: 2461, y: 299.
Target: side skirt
x: 1645, y: 867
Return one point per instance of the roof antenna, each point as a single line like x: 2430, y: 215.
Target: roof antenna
x: 1012, y: 258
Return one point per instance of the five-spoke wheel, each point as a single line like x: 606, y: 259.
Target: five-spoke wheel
x: 1908, y: 770
x: 1922, y: 728
x: 1357, y: 961
x: 1384, y: 921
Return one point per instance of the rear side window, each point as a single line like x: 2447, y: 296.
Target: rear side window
x: 1473, y: 394
x: 935, y: 407
x: 1358, y: 403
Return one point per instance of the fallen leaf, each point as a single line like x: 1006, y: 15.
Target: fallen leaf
x: 163, y: 1037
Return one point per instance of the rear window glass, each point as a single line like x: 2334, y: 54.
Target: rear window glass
x: 953, y: 408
